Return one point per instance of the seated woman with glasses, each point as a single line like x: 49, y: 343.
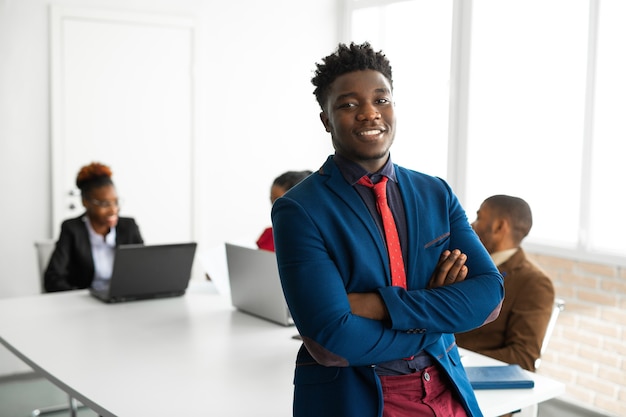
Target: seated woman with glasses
x: 83, y: 256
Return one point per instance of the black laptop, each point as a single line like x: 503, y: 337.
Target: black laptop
x: 148, y: 271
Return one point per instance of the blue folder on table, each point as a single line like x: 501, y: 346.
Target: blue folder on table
x: 499, y: 377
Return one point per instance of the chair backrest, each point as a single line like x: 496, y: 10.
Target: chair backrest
x: 559, y: 305
x: 44, y: 251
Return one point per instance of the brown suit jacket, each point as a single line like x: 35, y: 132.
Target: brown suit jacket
x: 516, y: 335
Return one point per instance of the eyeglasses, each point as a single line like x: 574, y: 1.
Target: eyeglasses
x: 106, y: 203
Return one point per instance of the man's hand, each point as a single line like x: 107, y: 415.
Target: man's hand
x: 450, y: 269
x: 369, y: 305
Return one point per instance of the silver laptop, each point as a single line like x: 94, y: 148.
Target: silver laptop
x: 255, y: 285
x: 148, y: 271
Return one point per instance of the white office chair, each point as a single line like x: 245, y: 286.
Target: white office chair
x: 44, y: 252
x: 559, y: 305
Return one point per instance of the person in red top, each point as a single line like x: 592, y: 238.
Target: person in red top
x: 280, y: 186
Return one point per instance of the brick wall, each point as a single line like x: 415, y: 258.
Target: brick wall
x: 587, y: 350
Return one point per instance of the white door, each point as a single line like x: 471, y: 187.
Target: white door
x: 122, y: 95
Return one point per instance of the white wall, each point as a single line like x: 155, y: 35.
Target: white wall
x: 256, y: 118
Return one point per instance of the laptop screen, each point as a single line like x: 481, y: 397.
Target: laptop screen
x: 255, y: 286
x: 148, y: 271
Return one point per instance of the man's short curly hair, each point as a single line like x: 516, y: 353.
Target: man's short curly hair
x: 348, y: 59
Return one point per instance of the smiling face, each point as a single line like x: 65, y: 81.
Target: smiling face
x: 359, y: 115
x: 102, y: 208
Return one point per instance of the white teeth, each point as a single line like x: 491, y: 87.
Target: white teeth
x: 370, y: 132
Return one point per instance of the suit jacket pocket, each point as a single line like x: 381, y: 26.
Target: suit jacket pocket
x: 454, y: 355
x: 438, y: 241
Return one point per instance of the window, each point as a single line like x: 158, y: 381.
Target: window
x: 546, y: 93
x: 526, y: 110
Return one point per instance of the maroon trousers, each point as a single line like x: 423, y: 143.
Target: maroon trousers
x: 424, y: 393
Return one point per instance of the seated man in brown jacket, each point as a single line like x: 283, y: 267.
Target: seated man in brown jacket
x: 516, y: 336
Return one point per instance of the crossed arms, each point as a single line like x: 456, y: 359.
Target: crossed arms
x: 450, y: 269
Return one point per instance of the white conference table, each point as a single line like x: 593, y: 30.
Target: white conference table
x: 190, y: 355
x: 497, y: 402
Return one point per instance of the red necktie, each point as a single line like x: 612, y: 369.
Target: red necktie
x: 398, y: 276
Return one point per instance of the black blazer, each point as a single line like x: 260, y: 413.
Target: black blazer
x: 71, y: 264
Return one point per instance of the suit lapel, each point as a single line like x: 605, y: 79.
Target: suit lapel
x: 344, y: 191
x: 85, y: 246
x: 120, y: 233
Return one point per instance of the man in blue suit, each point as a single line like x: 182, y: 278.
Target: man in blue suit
x: 371, y: 348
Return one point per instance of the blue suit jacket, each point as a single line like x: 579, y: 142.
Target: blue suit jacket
x: 327, y: 245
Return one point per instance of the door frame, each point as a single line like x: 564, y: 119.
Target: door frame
x: 59, y: 14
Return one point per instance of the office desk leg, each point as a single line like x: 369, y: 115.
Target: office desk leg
x: 73, y: 407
